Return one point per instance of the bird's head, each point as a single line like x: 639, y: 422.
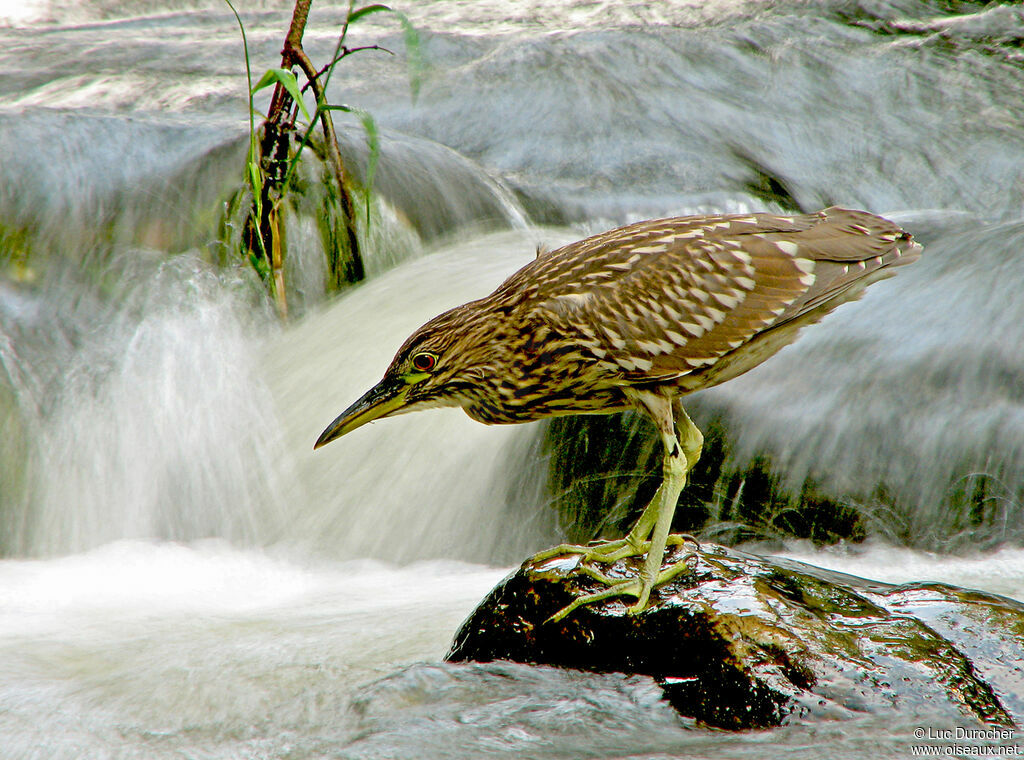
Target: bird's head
x: 435, y: 367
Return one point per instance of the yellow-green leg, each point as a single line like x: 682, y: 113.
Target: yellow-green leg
x: 681, y: 454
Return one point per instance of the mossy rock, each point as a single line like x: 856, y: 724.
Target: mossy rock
x: 750, y: 642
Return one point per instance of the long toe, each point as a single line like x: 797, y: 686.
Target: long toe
x: 605, y: 551
x: 630, y: 586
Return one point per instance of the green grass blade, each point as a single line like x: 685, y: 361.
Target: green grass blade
x: 372, y: 143
x: 413, y: 45
x: 248, y: 68
x: 413, y: 54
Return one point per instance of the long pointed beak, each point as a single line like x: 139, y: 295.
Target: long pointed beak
x: 380, y: 401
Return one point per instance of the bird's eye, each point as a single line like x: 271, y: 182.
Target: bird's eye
x: 424, y: 362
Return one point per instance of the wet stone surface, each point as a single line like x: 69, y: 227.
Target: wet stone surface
x: 748, y: 642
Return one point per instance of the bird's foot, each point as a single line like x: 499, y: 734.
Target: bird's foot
x: 639, y: 586
x: 595, y: 551
x: 608, y: 551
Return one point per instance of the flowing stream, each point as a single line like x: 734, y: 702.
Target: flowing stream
x: 183, y: 577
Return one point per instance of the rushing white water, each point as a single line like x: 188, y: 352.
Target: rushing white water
x: 151, y: 650
x: 138, y: 428
x: 148, y: 650
x: 168, y: 425
x: 998, y: 572
x: 428, y: 485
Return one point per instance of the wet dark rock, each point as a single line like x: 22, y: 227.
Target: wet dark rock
x: 748, y: 642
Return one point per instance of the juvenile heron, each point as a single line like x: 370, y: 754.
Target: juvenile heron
x: 635, y: 318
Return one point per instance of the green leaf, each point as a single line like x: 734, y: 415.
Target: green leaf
x: 287, y: 80
x: 260, y: 265
x: 355, y: 15
x: 255, y: 178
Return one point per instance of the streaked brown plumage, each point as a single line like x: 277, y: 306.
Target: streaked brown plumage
x: 637, y: 317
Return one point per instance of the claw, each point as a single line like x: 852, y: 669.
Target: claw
x: 680, y: 539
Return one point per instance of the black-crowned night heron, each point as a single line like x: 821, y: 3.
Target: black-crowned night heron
x: 635, y: 318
